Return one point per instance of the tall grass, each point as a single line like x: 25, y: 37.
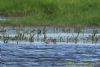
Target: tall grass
x: 53, y: 12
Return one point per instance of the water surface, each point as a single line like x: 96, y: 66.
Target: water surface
x: 41, y: 54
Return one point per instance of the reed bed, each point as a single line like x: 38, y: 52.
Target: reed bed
x: 41, y: 35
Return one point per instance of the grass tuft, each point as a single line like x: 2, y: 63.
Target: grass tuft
x: 52, y: 12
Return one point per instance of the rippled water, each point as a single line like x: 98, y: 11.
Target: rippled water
x: 47, y: 55
x: 40, y: 54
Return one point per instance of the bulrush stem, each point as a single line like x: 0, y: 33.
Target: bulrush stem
x: 44, y: 33
x: 38, y: 34
x: 94, y: 37
x: 76, y: 38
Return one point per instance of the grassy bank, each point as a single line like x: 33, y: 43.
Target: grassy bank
x: 51, y: 12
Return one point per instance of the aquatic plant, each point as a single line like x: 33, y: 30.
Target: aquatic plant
x: 41, y: 35
x: 51, y: 12
x: 94, y: 37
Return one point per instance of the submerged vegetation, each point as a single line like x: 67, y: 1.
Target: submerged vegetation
x: 43, y: 35
x: 51, y: 12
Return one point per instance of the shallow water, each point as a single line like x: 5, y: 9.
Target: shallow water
x: 2, y: 18
x: 40, y: 54
x: 60, y: 34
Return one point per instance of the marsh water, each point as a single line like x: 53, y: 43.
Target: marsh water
x: 56, y: 47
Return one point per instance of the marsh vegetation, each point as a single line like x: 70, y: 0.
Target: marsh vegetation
x: 51, y: 12
x: 54, y: 33
x: 49, y: 35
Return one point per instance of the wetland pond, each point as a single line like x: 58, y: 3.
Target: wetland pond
x: 49, y: 47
